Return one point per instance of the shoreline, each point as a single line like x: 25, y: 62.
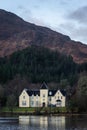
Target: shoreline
x: 38, y: 111
x: 42, y: 114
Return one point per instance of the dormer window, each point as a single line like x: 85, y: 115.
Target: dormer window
x: 50, y: 93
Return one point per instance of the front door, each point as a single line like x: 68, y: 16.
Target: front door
x: 43, y: 104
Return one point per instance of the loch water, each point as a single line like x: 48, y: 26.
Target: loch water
x: 43, y: 122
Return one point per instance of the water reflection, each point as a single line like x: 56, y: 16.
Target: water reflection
x: 44, y: 122
x: 8, y: 119
x: 76, y: 122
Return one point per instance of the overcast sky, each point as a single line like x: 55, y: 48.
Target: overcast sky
x: 65, y: 16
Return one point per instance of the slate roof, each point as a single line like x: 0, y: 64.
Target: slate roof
x: 44, y: 86
x: 33, y: 92
x: 37, y: 92
x: 53, y: 92
x: 63, y: 92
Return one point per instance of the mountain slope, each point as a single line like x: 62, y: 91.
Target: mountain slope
x: 16, y: 34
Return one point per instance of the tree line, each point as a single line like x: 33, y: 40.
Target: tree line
x: 39, y: 64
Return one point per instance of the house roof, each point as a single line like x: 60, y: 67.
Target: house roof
x: 44, y: 86
x: 33, y: 92
x: 63, y: 92
x: 51, y: 92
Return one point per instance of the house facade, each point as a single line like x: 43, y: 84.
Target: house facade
x: 42, y: 98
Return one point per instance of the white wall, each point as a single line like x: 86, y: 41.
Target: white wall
x: 57, y: 96
x: 44, y: 97
x: 35, y: 101
x: 24, y: 98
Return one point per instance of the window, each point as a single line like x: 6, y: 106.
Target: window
x: 43, y: 99
x: 36, y: 103
x: 32, y: 97
x: 37, y: 97
x: 32, y: 103
x: 49, y: 99
x: 24, y: 103
x: 23, y: 97
x: 59, y: 104
x: 43, y: 95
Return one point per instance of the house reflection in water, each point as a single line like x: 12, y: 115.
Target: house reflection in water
x: 57, y: 122
x: 46, y: 122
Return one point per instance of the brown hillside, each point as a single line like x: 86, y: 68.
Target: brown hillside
x: 16, y: 34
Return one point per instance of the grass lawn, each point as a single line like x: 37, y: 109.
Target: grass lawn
x: 34, y: 110
x: 17, y: 110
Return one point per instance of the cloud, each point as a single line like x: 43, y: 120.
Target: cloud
x: 22, y: 11
x: 78, y: 33
x: 64, y: 2
x: 80, y: 15
x: 28, y: 15
x: 75, y: 24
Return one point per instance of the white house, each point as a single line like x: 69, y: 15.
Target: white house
x: 42, y: 98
